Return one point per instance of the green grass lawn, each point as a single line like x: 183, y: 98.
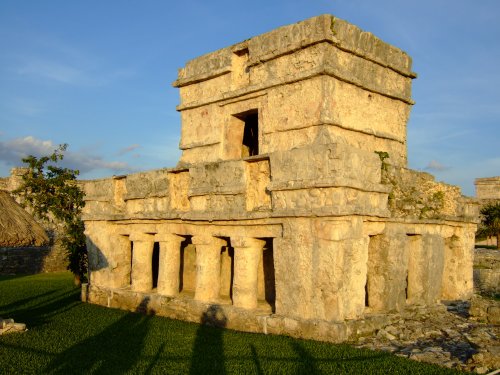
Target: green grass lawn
x: 66, y: 336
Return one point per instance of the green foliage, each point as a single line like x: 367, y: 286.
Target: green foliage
x: 490, y: 221
x: 67, y: 336
x: 383, y: 155
x: 53, y: 194
x: 332, y: 26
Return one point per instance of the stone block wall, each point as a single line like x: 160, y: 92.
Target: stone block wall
x: 32, y: 260
x: 487, y: 271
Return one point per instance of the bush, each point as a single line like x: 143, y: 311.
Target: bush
x: 54, y: 196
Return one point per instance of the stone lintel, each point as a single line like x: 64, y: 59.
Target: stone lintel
x: 142, y: 237
x: 167, y: 237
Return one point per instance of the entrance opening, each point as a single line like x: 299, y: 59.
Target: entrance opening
x: 226, y: 270
x: 187, y: 269
x: 266, y: 277
x: 250, y: 146
x: 155, y: 263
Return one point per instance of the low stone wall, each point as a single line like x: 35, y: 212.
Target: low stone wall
x: 260, y: 320
x: 484, y: 309
x: 487, y: 271
x: 31, y: 260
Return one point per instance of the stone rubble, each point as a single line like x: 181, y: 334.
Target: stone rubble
x: 9, y: 326
x: 447, y: 337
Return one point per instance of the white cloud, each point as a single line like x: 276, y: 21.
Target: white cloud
x: 12, y: 151
x: 434, y: 165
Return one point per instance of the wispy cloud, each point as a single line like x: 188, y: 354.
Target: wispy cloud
x: 12, y: 151
x: 53, y: 70
x: 24, y: 106
x: 434, y: 165
x: 51, y: 59
x: 128, y: 149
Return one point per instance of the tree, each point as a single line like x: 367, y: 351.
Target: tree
x: 491, y: 220
x: 53, y: 195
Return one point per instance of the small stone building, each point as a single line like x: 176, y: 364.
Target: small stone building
x: 488, y: 189
x: 487, y: 192
x: 292, y: 209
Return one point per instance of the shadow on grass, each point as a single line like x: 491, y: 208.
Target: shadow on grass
x: 307, y: 363
x: 42, y: 312
x: 115, y: 350
x: 25, y: 301
x: 208, y: 349
x: 256, y: 360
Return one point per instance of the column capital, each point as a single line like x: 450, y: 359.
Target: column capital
x: 207, y: 240
x: 247, y: 242
x: 168, y: 237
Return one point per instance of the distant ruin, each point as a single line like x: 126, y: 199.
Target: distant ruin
x: 488, y: 189
x: 487, y: 192
x: 292, y: 208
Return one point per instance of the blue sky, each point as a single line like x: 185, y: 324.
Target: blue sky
x: 97, y: 75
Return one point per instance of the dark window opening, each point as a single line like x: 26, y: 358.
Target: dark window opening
x: 187, y: 269
x: 367, y: 302
x: 269, y: 276
x: 155, y: 263
x: 227, y: 269
x: 131, y: 260
x: 406, y: 286
x: 250, y: 145
x: 371, y: 271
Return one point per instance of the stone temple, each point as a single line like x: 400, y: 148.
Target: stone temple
x: 292, y: 209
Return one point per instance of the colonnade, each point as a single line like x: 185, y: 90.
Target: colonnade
x: 247, y: 258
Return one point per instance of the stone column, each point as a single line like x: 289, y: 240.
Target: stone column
x: 120, y: 264
x: 170, y: 260
x: 208, y: 251
x: 142, y: 255
x: 247, y: 255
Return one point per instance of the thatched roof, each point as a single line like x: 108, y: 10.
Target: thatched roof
x: 17, y: 227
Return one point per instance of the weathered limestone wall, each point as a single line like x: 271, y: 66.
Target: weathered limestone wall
x: 300, y: 87
x: 313, y: 252
x: 291, y: 209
